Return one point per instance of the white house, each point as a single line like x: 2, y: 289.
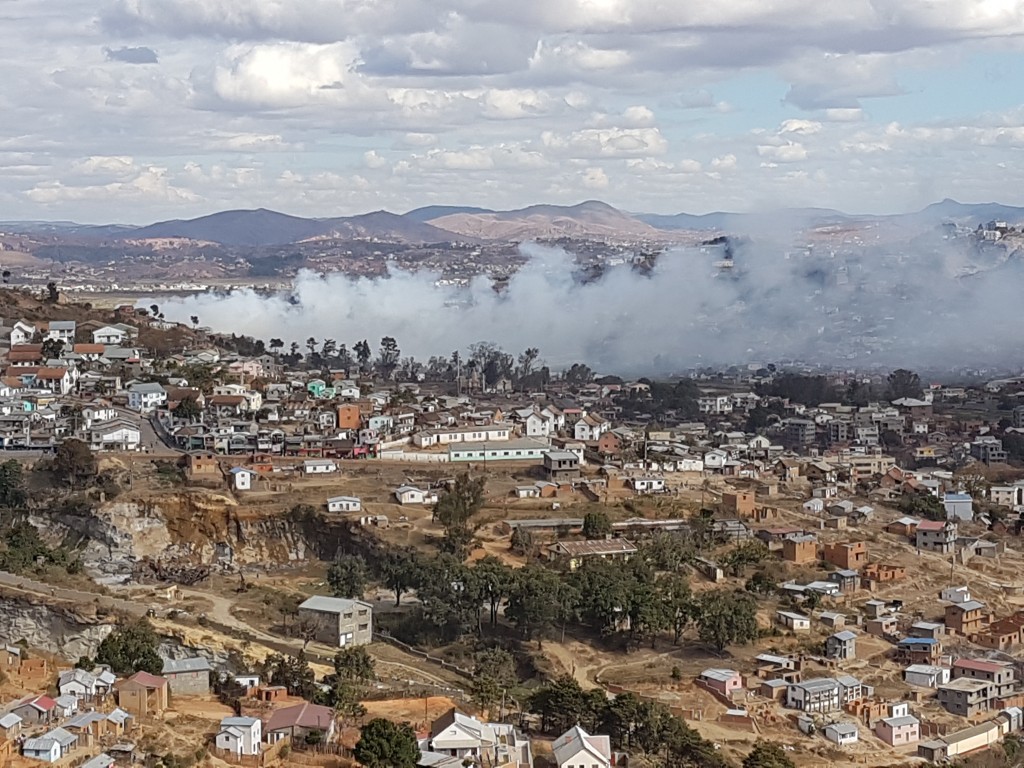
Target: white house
x: 240, y: 735
x: 116, y: 435
x: 795, y: 621
x: 408, y: 494
x: 22, y: 333
x: 648, y: 484
x: 109, y: 334
x: 42, y: 748
x: 577, y: 749
x: 344, y: 504
x: 242, y: 478
x: 76, y: 682
x: 820, y: 695
x: 590, y: 427
x: 842, y: 733
x: 102, y: 760
x: 319, y: 466
x: 61, y: 330
x: 926, y: 675
x: 460, y: 735
x: 146, y: 396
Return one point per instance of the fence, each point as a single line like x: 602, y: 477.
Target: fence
x: 423, y: 654
x: 421, y: 458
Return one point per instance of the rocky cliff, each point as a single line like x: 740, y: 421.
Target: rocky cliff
x: 66, y: 630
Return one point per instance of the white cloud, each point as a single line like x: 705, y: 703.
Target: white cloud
x: 790, y: 152
x: 595, y: 178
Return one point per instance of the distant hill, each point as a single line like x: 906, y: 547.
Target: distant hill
x: 65, y: 228
x: 738, y: 222
x: 262, y: 227
x: 971, y: 213
x: 244, y: 228
x: 431, y: 212
x: 588, y: 219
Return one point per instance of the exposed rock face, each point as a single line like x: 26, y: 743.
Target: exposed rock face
x: 64, y: 630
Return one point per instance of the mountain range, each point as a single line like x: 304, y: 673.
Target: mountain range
x: 440, y: 224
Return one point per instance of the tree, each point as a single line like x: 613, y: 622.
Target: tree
x: 52, y: 349
x: 679, y: 602
x: 131, y: 648
x: 195, y: 321
x: 578, y: 375
x: 384, y: 744
x: 727, y: 617
x: 459, y: 503
x: 292, y: 672
x: 494, y: 672
x: 526, y: 362
x: 495, y: 581
x: 746, y: 553
x: 535, y: 600
x: 188, y: 409
x: 596, y: 525
x: 903, y: 383
x: 73, y: 460
x: 276, y: 345
x: 12, y: 484
x: 400, y: 572
x: 767, y: 754
x: 52, y: 294
x: 387, y: 358
x: 521, y: 541
x: 355, y: 665
x: 363, y: 353
x: 347, y: 577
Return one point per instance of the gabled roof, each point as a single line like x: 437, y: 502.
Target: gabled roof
x: 575, y: 740
x: 178, y: 666
x: 147, y: 680
x: 304, y: 715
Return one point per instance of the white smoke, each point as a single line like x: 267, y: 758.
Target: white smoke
x: 885, y: 309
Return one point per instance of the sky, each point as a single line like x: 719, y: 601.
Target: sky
x: 132, y: 111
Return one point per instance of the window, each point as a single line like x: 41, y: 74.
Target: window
x: 363, y: 627
x: 347, y: 615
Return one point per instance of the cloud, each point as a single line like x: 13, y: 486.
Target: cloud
x: 135, y: 55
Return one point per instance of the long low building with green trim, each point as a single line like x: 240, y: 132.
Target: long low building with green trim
x: 524, y: 449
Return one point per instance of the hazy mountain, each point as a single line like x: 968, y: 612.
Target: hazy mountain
x: 589, y: 219
x: 261, y: 227
x: 431, y: 212
x: 251, y: 228
x: 971, y: 213
x: 746, y: 222
x: 67, y: 228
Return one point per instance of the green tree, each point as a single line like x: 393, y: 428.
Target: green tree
x: 52, y: 349
x: 12, y: 484
x: 495, y: 581
x: 292, y: 672
x: 726, y: 618
x: 744, y: 554
x: 384, y: 744
x: 400, y: 572
x: 596, y: 525
x: 494, y: 672
x: 73, y: 461
x: 903, y: 383
x: 22, y: 547
x: 767, y: 754
x: 363, y: 353
x: 459, y: 503
x: 355, y: 665
x: 188, y: 409
x: 347, y: 576
x: 679, y: 603
x: 131, y: 648
x: 536, y: 600
x: 387, y: 359
x: 521, y: 542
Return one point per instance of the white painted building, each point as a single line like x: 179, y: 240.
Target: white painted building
x: 344, y: 504
x: 240, y: 735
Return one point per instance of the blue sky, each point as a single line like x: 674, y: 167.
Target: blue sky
x: 138, y: 110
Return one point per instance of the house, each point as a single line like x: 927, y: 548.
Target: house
x: 115, y: 435
x: 44, y: 748
x: 841, y: 645
x: 240, y: 735
x: 842, y: 734
x: 949, y: 746
x: 102, y: 760
x: 22, y: 333
x: 936, y: 536
x: 846, y: 555
x: 955, y: 594
x: 35, y: 710
x: 899, y: 730
x: 873, y: 574
x: 143, y: 694
x: 724, y: 681
x: 800, y: 550
x: 110, y: 335
x: 65, y: 706
x: 905, y: 526
x: 457, y: 735
x: 926, y: 675
x: 298, y: 721
x: 959, y: 506
x: 590, y: 427
x: 344, y: 504
x: 577, y: 749
x: 560, y: 466
x: 966, y: 697
x: 918, y: 650
x: 318, y: 467
x: 575, y: 552
x: 242, y: 479
x: 818, y: 695
x: 739, y: 503
x: 10, y: 726
x: 832, y: 619
x: 1001, y: 676
x: 647, y: 484
x: 965, y: 618
x: 409, y: 494
x: 846, y: 579
x: 59, y: 330
x: 794, y: 621
x: 188, y: 676
x: 145, y: 397
x: 76, y: 682
x: 339, y: 621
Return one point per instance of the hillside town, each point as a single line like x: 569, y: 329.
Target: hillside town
x: 758, y: 560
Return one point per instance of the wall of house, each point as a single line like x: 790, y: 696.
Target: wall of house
x: 189, y: 683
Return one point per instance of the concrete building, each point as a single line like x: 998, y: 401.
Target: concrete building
x: 841, y: 645
x: 926, y: 675
x: 240, y: 735
x: 800, y: 549
x: 190, y: 677
x: 936, y: 536
x: 560, y: 466
x: 965, y: 618
x: 847, y: 555
x: 577, y: 749
x: 338, y: 621
x: 898, y: 731
x: 842, y: 734
x: 724, y: 681
x: 143, y: 694
x: 820, y: 695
